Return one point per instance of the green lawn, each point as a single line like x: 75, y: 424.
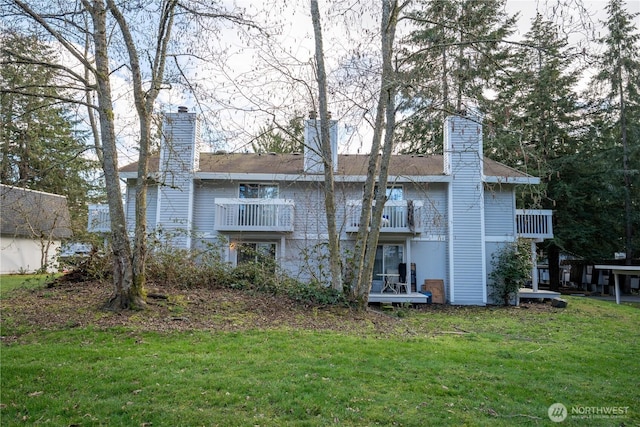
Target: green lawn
x: 9, y: 282
x: 465, y: 366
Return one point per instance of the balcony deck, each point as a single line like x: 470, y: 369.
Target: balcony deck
x: 398, y: 216
x: 413, y: 298
x: 534, y: 223
x: 254, y: 215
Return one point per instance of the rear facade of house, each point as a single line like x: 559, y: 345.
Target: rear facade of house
x: 444, y: 216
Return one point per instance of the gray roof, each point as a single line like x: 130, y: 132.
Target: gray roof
x: 33, y: 214
x: 348, y: 165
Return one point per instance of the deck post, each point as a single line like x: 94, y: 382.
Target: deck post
x: 407, y: 277
x: 534, y: 271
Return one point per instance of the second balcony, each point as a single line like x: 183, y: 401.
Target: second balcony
x: 269, y: 215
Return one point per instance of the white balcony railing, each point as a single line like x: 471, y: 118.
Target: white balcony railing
x: 398, y: 216
x: 254, y: 215
x: 534, y: 223
x: 99, y: 219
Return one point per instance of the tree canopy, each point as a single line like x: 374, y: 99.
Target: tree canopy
x: 43, y: 146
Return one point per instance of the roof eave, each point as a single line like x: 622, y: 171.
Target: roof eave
x: 228, y: 176
x: 525, y: 180
x: 236, y: 176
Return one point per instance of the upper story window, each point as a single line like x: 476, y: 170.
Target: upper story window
x: 394, y: 192
x: 258, y: 191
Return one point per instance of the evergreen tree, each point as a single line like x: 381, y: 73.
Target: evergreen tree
x: 587, y: 208
x: 533, y: 124
x: 41, y: 149
x: 454, y: 56
x: 618, y: 80
x: 533, y: 118
x: 280, y: 139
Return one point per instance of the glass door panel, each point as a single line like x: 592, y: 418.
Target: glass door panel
x: 387, y: 261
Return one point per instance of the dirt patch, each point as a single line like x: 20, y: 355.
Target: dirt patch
x: 71, y: 305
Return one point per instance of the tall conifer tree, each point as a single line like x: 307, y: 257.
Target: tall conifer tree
x: 453, y: 57
x: 41, y: 146
x: 619, y: 76
x: 533, y: 122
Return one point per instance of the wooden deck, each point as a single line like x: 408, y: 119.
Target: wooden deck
x: 390, y: 297
x: 536, y: 294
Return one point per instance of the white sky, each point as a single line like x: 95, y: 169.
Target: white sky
x: 240, y: 107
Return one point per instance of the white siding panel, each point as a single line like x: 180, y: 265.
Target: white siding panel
x: 179, y: 159
x: 175, y: 209
x: 431, y: 261
x: 313, y: 162
x: 204, y: 207
x: 24, y: 255
x: 499, y: 212
x: 130, y: 205
x: 152, y: 206
x: 309, y: 213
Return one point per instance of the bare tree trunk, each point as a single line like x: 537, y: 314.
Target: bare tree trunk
x: 445, y: 83
x: 90, y: 16
x: 45, y: 244
x: 335, y: 256
x: 144, y: 102
x: 366, y: 248
x: 357, y: 281
x: 122, y: 269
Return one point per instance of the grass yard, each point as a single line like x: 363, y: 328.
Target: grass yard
x: 437, y: 366
x: 9, y: 282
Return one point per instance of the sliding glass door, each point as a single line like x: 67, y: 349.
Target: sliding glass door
x: 388, y: 259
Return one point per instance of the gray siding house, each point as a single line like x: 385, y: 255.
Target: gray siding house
x: 444, y: 218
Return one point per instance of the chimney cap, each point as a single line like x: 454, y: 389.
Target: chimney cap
x: 183, y: 109
x: 313, y: 114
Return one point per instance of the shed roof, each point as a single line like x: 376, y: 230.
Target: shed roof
x: 33, y: 214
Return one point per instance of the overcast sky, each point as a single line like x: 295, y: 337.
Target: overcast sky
x: 237, y: 113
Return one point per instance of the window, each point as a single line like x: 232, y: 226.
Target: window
x: 259, y: 252
x: 394, y: 192
x: 258, y: 191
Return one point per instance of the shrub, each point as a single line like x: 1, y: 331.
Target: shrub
x: 205, y: 267
x: 512, y: 267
